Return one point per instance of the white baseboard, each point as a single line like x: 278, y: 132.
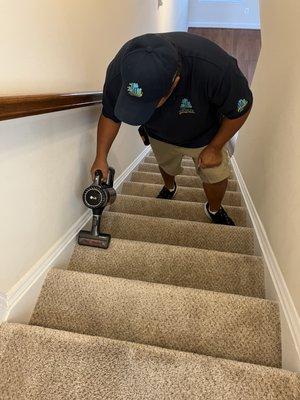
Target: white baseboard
x: 17, y: 304
x: 218, y: 24
x: 276, y: 288
x: 28, y: 286
x: 3, y: 307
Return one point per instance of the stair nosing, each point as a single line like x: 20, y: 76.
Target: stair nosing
x: 219, y: 252
x: 193, y: 203
x: 181, y: 221
x: 179, y: 186
x: 143, y: 345
x: 168, y: 285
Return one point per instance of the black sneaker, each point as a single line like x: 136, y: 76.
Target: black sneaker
x: 167, y: 194
x: 221, y: 217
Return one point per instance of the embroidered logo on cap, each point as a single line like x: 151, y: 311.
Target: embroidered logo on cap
x: 134, y: 89
x: 241, y: 104
x: 186, y: 107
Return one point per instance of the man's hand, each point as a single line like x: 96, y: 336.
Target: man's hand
x: 107, y: 131
x: 101, y: 164
x: 210, y: 157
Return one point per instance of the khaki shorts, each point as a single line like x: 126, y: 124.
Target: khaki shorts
x: 169, y: 158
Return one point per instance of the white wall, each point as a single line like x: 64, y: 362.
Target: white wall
x: 224, y: 14
x: 268, y: 148
x: 60, y: 46
x: 44, y: 162
x: 173, y: 15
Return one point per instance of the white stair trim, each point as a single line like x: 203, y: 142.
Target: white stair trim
x: 283, y: 295
x: 16, y: 293
x: 3, y: 306
x: 35, y: 276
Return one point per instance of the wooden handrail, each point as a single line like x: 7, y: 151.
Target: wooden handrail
x: 22, y: 106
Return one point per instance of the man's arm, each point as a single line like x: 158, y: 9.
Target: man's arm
x: 107, y: 131
x: 211, y: 156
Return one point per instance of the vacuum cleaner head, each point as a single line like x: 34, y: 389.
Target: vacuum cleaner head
x: 87, y: 238
x: 97, y: 197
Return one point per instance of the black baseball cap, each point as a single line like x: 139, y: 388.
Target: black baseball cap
x: 147, y: 68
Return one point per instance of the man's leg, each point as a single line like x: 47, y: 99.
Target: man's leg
x: 215, y: 193
x: 168, y: 159
x: 213, y: 208
x: 215, y: 182
x: 169, y: 180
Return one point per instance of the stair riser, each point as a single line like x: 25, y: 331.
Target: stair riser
x: 179, y: 233
x: 189, y: 171
x: 183, y: 266
x: 202, y: 322
x: 183, y: 194
x: 171, y: 209
x: 182, y: 180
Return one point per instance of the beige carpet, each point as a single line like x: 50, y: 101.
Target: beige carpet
x: 204, y: 235
x: 186, y: 194
x: 173, y: 265
x: 174, y: 309
x: 184, y: 210
x: 46, y: 364
x: 199, y: 321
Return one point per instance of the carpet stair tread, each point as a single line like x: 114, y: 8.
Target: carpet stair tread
x: 182, y: 194
x: 193, y: 320
x: 232, y: 239
x: 40, y: 363
x: 182, y: 266
x: 183, y: 210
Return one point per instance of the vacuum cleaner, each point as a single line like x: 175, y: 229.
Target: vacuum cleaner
x: 97, y: 197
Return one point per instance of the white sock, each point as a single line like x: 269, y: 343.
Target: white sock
x: 212, y: 212
x: 171, y: 190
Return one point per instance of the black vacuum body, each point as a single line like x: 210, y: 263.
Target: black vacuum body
x: 97, y: 197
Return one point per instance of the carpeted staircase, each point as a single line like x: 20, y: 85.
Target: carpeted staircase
x: 174, y: 309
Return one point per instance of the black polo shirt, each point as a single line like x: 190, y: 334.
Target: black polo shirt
x: 211, y: 86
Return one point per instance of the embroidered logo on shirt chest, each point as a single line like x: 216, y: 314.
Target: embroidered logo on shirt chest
x: 186, y: 107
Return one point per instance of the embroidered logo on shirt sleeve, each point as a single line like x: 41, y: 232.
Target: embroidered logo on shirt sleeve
x: 134, y: 90
x: 241, y: 105
x: 186, y: 107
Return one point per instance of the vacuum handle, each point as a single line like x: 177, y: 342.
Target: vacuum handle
x: 110, y: 177
x: 98, y: 176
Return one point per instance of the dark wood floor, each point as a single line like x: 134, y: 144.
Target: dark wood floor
x: 243, y: 44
